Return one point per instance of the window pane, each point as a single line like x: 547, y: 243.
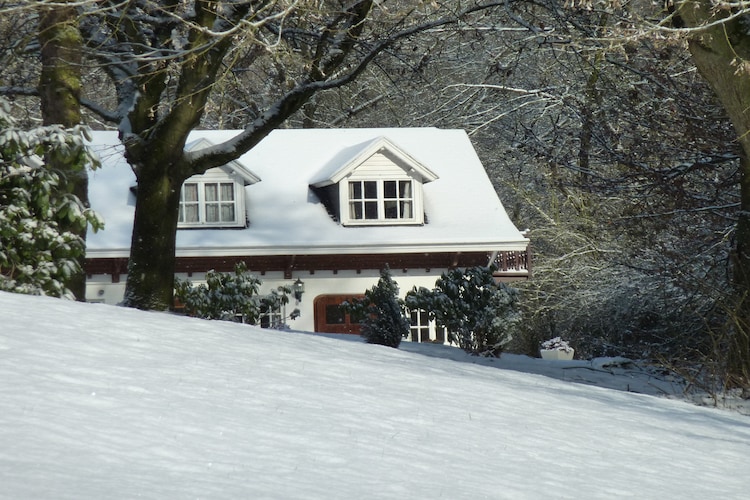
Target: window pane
x: 190, y: 192
x: 265, y: 320
x: 190, y: 213
x: 211, y: 192
x: 440, y: 334
x: 355, y: 210
x: 404, y: 188
x: 227, y: 191
x: 371, y: 210
x: 188, y: 204
x: 371, y: 189
x: 355, y: 190
x: 389, y: 189
x: 424, y: 334
x: 406, y: 212
x: 212, y: 213
x: 391, y: 209
x: 227, y: 212
x: 335, y: 315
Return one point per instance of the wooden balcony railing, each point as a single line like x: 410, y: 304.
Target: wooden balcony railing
x: 513, y: 263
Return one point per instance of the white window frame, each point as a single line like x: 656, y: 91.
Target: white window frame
x: 380, y: 201
x: 430, y: 327
x: 201, y: 181
x: 417, y: 326
x: 271, y: 318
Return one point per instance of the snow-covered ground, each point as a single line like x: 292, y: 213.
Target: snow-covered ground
x: 104, y: 402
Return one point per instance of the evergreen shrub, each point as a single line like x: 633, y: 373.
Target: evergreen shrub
x: 382, y: 313
x: 37, y: 256
x: 479, y: 314
x: 229, y: 296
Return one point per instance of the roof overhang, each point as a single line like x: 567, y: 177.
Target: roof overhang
x: 515, y: 265
x: 508, y: 246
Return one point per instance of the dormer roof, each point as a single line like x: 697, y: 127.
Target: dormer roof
x: 343, y: 164
x: 233, y: 168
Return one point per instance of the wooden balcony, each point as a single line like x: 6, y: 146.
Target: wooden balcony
x: 513, y: 265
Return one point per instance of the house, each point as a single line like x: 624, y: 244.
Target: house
x: 326, y: 208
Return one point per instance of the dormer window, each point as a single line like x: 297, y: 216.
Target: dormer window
x: 376, y: 183
x: 215, y: 198
x: 211, y: 204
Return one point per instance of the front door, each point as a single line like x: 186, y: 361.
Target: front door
x: 330, y: 317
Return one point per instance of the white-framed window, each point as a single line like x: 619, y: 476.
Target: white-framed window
x: 209, y: 202
x: 271, y: 317
x: 382, y: 201
x: 424, y: 330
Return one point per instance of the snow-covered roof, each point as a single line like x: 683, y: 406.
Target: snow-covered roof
x: 286, y: 217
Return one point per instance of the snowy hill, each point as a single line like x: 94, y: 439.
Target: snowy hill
x: 104, y: 402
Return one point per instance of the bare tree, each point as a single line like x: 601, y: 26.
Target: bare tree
x: 719, y: 43
x: 611, y: 149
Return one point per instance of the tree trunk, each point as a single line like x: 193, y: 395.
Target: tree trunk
x: 738, y: 360
x: 59, y: 90
x: 722, y: 55
x: 150, y: 284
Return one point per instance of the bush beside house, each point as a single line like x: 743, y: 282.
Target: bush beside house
x: 229, y: 296
x: 479, y: 314
x: 382, y: 313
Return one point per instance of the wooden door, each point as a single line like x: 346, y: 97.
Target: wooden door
x: 331, y: 318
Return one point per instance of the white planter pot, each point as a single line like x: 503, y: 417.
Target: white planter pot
x: 555, y: 354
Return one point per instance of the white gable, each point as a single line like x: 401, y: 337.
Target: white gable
x: 379, y: 157
x: 286, y: 217
x: 234, y: 169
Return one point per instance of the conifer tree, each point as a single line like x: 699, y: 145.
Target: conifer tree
x: 383, y: 314
x: 478, y: 313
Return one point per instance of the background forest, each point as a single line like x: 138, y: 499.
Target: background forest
x: 596, y: 128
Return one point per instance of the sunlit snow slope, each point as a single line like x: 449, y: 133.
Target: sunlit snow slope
x: 101, y: 402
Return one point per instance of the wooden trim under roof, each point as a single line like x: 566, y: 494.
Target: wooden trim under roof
x: 514, y: 264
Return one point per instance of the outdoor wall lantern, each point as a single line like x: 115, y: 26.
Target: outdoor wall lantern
x: 298, y: 288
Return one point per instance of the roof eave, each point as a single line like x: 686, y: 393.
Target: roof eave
x: 488, y: 246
